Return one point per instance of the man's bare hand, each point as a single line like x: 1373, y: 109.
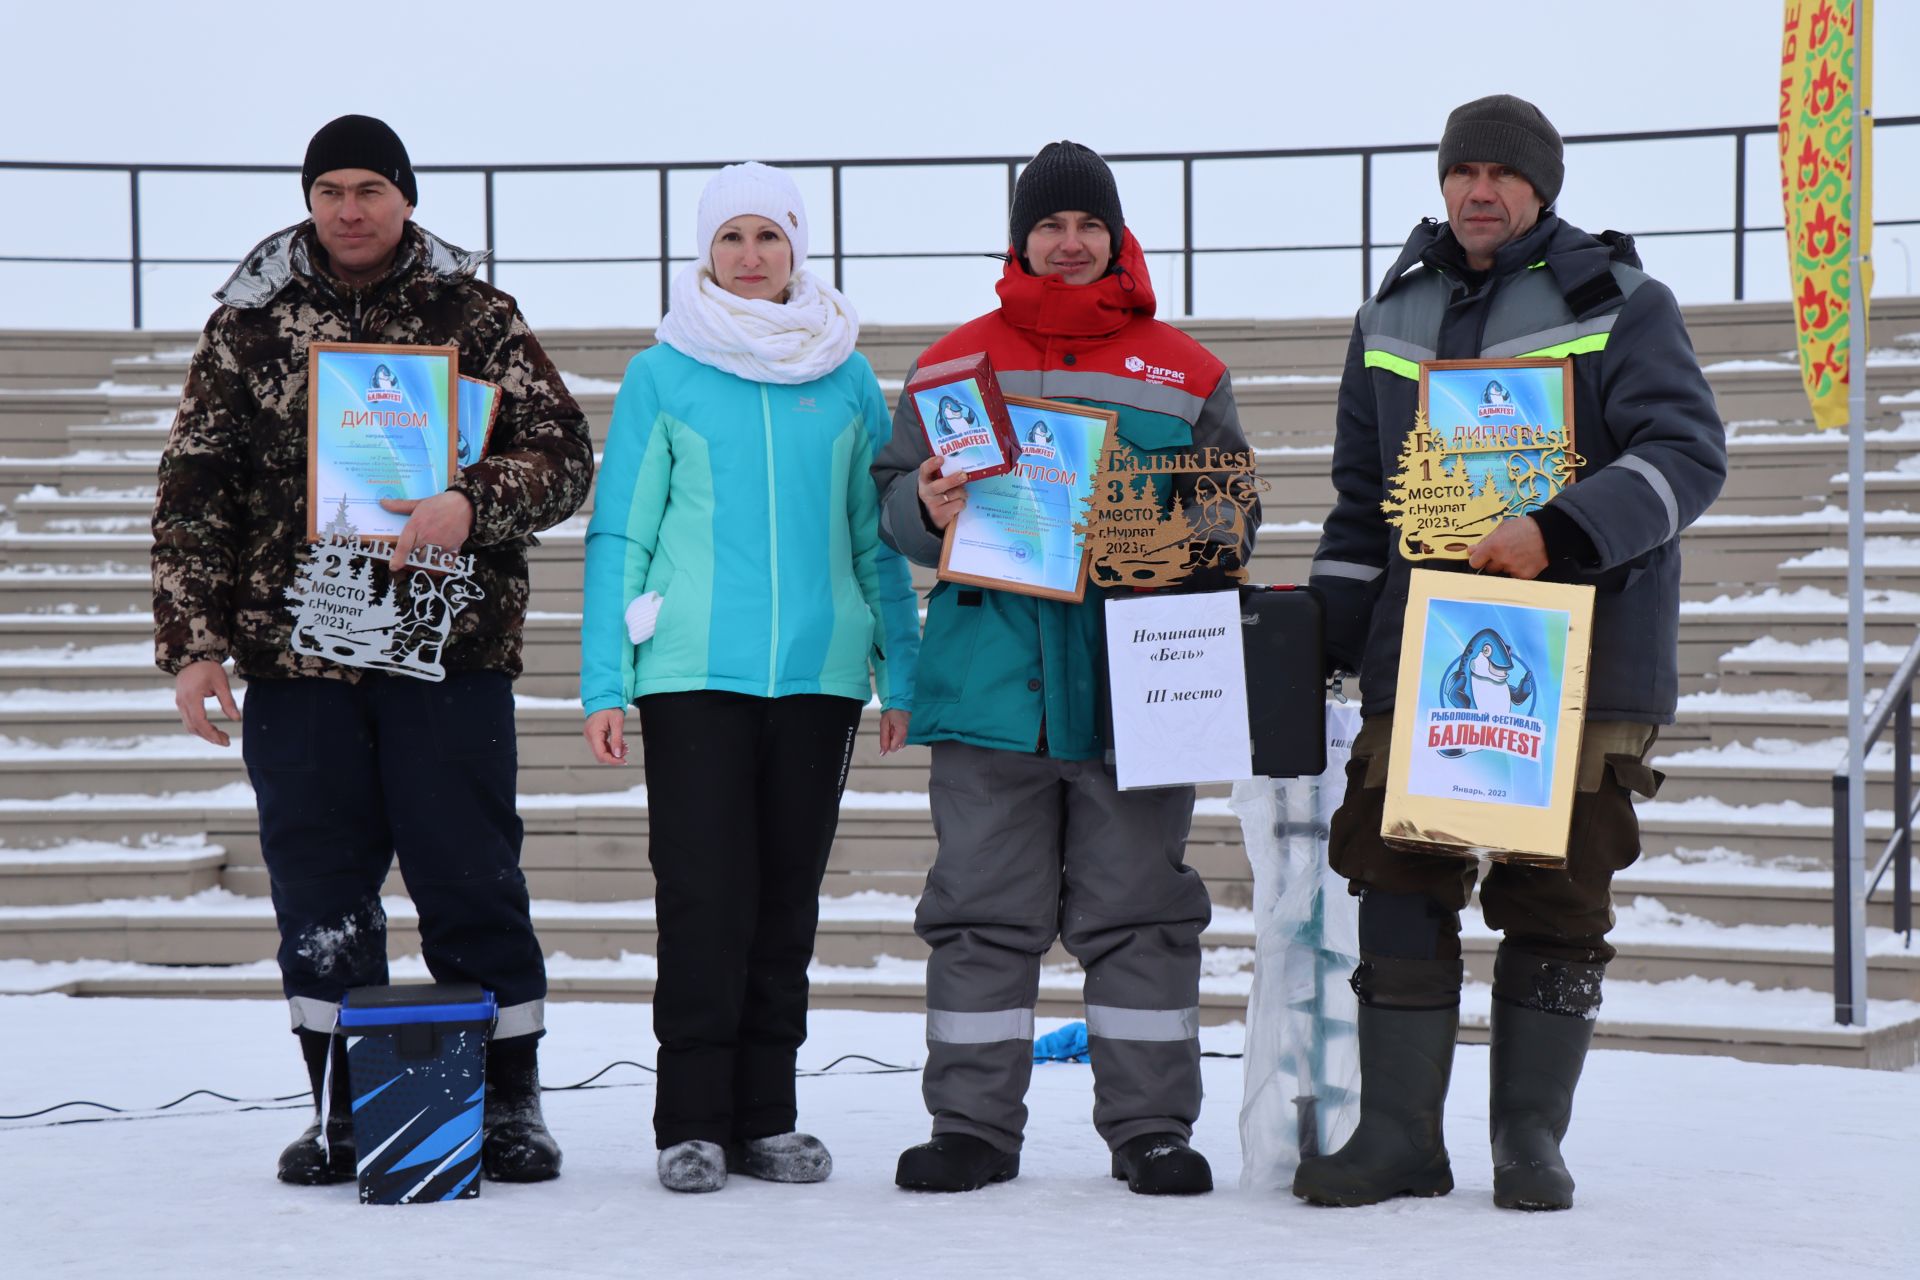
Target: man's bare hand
x: 1514, y: 548
x: 444, y: 520
x: 941, y: 496
x: 197, y: 682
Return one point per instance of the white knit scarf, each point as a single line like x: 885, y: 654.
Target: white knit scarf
x: 806, y: 337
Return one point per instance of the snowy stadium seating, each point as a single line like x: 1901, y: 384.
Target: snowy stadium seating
x: 129, y: 862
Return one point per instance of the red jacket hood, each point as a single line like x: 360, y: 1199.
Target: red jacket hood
x: 1050, y: 307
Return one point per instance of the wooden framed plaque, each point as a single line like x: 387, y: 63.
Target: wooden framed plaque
x: 1492, y: 440
x: 479, y: 406
x: 1025, y: 531
x: 382, y: 422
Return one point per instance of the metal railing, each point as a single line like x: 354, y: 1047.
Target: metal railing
x: 1187, y: 250
x: 1895, y: 705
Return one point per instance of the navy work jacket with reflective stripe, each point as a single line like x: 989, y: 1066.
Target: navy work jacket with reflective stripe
x: 1645, y: 424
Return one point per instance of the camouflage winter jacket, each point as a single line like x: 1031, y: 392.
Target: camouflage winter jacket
x: 230, y: 519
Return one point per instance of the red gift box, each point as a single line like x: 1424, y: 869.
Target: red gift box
x: 960, y: 408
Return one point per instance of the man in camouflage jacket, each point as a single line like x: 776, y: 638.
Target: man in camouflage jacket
x: 351, y: 766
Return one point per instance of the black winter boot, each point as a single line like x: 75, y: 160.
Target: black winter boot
x: 514, y: 1143
x: 305, y: 1163
x: 955, y: 1162
x: 1162, y: 1164
x: 1536, y: 1058
x: 1406, y: 1059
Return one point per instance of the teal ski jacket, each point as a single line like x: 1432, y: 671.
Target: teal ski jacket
x: 747, y: 507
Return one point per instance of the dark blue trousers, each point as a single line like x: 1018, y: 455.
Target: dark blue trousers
x: 349, y: 775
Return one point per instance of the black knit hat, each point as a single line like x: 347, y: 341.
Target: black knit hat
x: 358, y: 142
x: 1065, y: 175
x: 1503, y: 129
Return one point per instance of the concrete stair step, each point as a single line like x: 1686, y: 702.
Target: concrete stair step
x: 1712, y: 629
x: 1728, y: 888
x: 47, y: 511
x: 113, y: 650
x: 70, y: 472
x: 36, y: 423
x: 218, y: 928
x: 1815, y: 668
x: 79, y: 871
x: 1770, y: 769
x: 1717, y: 719
x: 550, y: 763
x: 1689, y: 1016
x: 1892, y: 564
x: 55, y: 358
x: 1771, y: 471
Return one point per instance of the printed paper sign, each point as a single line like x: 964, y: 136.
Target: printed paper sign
x: 1178, y: 678
x: 1488, y: 716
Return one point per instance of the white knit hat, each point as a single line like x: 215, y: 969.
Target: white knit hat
x: 752, y: 188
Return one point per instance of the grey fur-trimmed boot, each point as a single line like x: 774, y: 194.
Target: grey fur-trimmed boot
x: 782, y: 1157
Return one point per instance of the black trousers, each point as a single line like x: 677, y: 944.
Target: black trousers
x: 743, y: 795
x: 349, y: 775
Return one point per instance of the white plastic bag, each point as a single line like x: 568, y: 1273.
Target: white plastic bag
x: 1302, y: 1060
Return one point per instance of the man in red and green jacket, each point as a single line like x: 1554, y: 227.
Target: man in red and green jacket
x: 1035, y: 838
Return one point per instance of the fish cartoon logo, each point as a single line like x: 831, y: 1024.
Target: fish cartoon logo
x: 1496, y: 401
x: 1039, y: 441
x: 1488, y: 677
x: 383, y: 388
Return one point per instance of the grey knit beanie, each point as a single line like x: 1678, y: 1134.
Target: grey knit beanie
x: 1065, y: 175
x: 1503, y: 129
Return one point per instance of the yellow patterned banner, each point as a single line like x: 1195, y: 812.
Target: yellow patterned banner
x: 1817, y: 86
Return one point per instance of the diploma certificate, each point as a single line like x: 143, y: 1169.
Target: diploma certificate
x: 479, y: 405
x: 1026, y: 531
x: 382, y: 422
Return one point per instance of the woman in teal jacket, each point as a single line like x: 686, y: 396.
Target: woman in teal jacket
x: 737, y: 590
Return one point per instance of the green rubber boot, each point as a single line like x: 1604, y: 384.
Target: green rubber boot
x: 1536, y: 1061
x: 1406, y: 1059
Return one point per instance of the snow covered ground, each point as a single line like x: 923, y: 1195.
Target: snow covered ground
x: 1686, y: 1166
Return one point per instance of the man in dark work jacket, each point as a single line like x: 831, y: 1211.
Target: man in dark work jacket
x: 1505, y: 277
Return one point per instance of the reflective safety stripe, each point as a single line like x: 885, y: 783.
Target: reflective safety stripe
x: 949, y: 1026
x: 1551, y: 344
x: 521, y: 1019
x: 1662, y: 490
x: 1344, y: 569
x: 310, y: 1014
x: 1393, y: 364
x: 1108, y: 388
x: 1112, y: 1023
x: 1578, y: 347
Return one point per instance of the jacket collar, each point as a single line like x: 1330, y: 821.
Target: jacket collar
x: 1575, y: 257
x: 290, y: 253
x: 1049, y: 307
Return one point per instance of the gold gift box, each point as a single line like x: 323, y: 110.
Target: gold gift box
x: 1488, y: 717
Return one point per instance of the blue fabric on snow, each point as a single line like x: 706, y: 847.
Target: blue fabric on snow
x: 1068, y: 1044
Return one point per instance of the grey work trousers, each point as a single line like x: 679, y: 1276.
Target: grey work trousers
x: 1032, y: 848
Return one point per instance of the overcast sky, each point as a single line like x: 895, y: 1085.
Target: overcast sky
x: 217, y: 81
